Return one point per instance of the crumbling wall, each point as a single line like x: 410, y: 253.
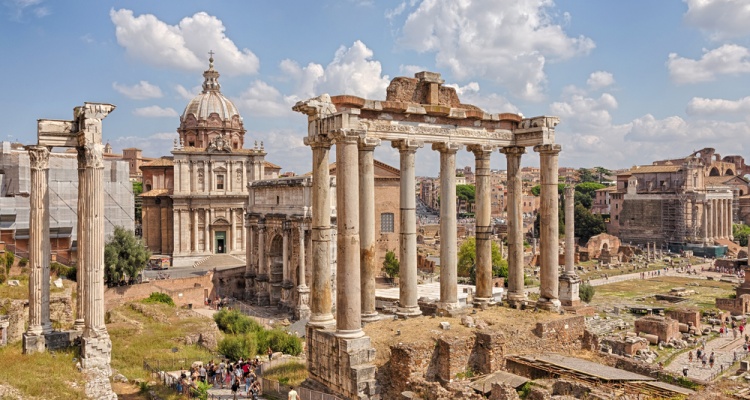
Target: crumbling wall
x: 737, y: 306
x: 689, y: 317
x: 662, y: 327
x: 564, y: 331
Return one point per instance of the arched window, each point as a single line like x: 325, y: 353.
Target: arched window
x: 714, y: 172
x: 386, y: 223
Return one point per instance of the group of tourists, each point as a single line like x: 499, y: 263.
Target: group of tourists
x: 224, y: 374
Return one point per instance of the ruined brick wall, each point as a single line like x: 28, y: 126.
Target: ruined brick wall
x: 342, y: 365
x: 229, y: 282
x: 193, y: 291
x: 686, y: 316
x: 564, y: 331
x: 738, y: 306
x: 454, y: 357
x: 489, y: 352
x: 597, y: 243
x: 664, y: 328
x: 640, y: 221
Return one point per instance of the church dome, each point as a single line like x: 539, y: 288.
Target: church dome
x: 211, y: 100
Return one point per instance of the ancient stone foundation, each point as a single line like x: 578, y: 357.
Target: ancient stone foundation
x: 343, y: 365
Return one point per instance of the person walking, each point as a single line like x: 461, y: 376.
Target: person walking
x: 292, y: 394
x: 690, y: 357
x: 711, y: 360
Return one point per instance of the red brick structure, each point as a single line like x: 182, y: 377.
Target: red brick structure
x: 664, y: 328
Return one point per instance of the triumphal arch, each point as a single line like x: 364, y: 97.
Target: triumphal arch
x: 417, y: 111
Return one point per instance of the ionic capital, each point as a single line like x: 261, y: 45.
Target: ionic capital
x: 38, y: 157
x: 347, y: 135
x: 481, y: 150
x: 513, y: 151
x: 368, y: 143
x: 407, y: 145
x: 446, y: 147
x: 548, y: 149
x: 316, y: 142
x: 91, y: 155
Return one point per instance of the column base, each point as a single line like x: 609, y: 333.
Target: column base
x: 483, y: 302
x: 450, y: 309
x: 408, y: 312
x: 569, y: 289
x: 368, y: 317
x: 322, y: 321
x: 548, y: 304
x: 34, y: 343
x: 517, y: 300
x: 78, y: 325
x: 349, y: 334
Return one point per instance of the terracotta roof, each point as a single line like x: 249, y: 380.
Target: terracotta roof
x: 607, y: 189
x: 651, y: 169
x: 268, y: 164
x: 157, y: 193
x: 160, y: 162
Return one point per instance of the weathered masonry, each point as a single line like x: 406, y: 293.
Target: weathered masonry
x: 416, y: 111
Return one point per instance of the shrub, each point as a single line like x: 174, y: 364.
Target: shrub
x: 233, y: 322
x: 157, y: 297
x: 59, y: 269
x: 279, y: 340
x: 235, y: 347
x: 586, y: 292
x: 23, y: 262
x: 72, y: 273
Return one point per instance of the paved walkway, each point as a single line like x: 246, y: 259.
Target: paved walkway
x: 723, y: 348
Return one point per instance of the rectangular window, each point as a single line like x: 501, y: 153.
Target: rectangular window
x: 219, y: 182
x: 386, y: 223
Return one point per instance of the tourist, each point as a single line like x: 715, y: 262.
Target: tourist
x: 292, y: 394
x: 711, y: 360
x: 690, y: 357
x: 703, y: 360
x: 235, y: 387
x: 248, y: 382
x: 270, y: 353
x: 202, y: 374
x: 685, y: 371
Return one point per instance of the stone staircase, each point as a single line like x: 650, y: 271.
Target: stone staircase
x: 219, y: 261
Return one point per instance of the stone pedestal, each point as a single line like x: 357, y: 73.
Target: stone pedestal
x: 344, y: 366
x: 33, y: 343
x: 302, y: 311
x: 569, y: 286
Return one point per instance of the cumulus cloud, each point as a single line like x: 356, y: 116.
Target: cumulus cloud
x: 155, y: 112
x: 183, y: 46
x: 507, y: 41
x: 188, y: 94
x: 729, y: 59
x: 352, y: 71
x: 491, y: 103
x: 701, y: 106
x: 153, y: 145
x: 264, y: 100
x: 140, y: 91
x: 721, y: 19
x: 600, y: 79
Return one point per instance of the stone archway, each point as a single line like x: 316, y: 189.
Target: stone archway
x: 276, y: 262
x: 729, y: 172
x: 714, y: 172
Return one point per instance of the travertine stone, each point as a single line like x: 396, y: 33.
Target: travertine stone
x: 39, y: 244
x: 549, y: 227
x: 407, y: 272
x: 367, y: 257
x: 82, y: 237
x: 483, y: 228
x: 569, y: 281
x: 348, y: 292
x: 448, y: 228
x: 302, y: 310
x: 516, y: 293
x: 321, y: 295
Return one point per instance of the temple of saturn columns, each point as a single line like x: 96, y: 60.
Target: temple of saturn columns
x: 416, y: 111
x: 84, y: 133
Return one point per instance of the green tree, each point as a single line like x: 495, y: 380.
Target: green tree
x: 10, y: 258
x: 137, y: 190
x: 466, y: 193
x: 585, y: 175
x: 124, y: 255
x: 602, y: 172
x: 586, y: 292
x: 587, y: 224
x: 741, y: 232
x: 391, y: 264
x: 467, y: 259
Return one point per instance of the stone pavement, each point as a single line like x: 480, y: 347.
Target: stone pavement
x: 218, y: 393
x: 723, y: 347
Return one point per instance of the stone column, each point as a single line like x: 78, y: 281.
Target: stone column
x: 367, y: 254
x: 407, y: 273
x: 483, y: 228
x: 730, y: 218
x: 448, y: 231
x: 206, y: 232
x: 720, y: 220
x: 549, y: 227
x: 263, y: 297
x: 249, y: 273
x: 39, y: 251
x: 704, y: 218
x: 302, y: 311
x: 321, y: 301
x: 569, y: 281
x: 348, y: 279
x: 81, y: 237
x: 194, y: 219
x: 232, y: 239
x: 516, y: 294
x: 284, y: 254
x: 709, y: 221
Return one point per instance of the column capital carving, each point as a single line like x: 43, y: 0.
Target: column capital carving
x: 316, y: 142
x: 447, y: 147
x: 513, y: 150
x: 480, y: 150
x: 407, y: 145
x: 548, y: 149
x: 347, y: 135
x: 368, y: 143
x: 38, y: 157
x: 91, y: 155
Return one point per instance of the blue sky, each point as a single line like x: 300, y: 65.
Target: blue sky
x: 632, y: 81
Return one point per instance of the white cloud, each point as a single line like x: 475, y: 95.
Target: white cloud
x: 154, y: 145
x: 580, y: 113
x: 263, y: 100
x: 19, y: 8
x: 491, y: 103
x: 600, y: 79
x: 701, y: 106
x: 729, y: 59
x: 721, y: 19
x: 155, y: 112
x: 410, y: 70
x: 183, y: 46
x: 140, y: 91
x: 507, y: 41
x: 352, y: 71
x: 188, y: 94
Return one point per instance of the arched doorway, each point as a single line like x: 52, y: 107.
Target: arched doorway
x: 276, y: 274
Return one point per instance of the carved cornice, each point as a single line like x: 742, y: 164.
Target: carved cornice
x: 38, y: 157
x: 513, y: 151
x: 548, y: 149
x: 347, y: 135
x: 368, y: 143
x: 447, y: 147
x: 316, y: 107
x: 407, y: 145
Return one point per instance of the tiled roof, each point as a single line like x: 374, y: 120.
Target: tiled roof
x: 651, y: 169
x: 269, y: 164
x: 160, y: 162
x: 157, y: 193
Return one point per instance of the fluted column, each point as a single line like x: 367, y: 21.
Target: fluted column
x: 704, y: 219
x: 516, y: 293
x: 81, y: 236
x: 407, y: 273
x: 285, y: 255
x: 448, y: 228
x: 348, y: 279
x: 483, y: 220
x: 39, y: 250
x: 206, y: 232
x: 302, y: 311
x: 321, y: 301
x: 367, y: 256
x: 710, y: 220
x: 730, y: 218
x: 549, y: 227
x: 231, y: 239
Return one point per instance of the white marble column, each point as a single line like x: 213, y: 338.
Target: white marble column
x: 285, y: 255
x: 348, y: 279
x: 263, y: 296
x: 302, y: 311
x: 39, y: 250
x: 569, y: 280
x: 704, y: 219
x: 483, y: 220
x: 408, y: 306
x: 549, y: 227
x: 367, y: 253
x: 233, y: 232
x: 206, y: 231
x: 321, y: 301
x: 82, y: 234
x: 720, y: 218
x: 730, y: 218
x: 448, y: 228
x: 516, y: 294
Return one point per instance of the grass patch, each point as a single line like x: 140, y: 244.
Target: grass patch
x: 290, y: 374
x: 630, y: 291
x: 42, y: 375
x: 16, y: 292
